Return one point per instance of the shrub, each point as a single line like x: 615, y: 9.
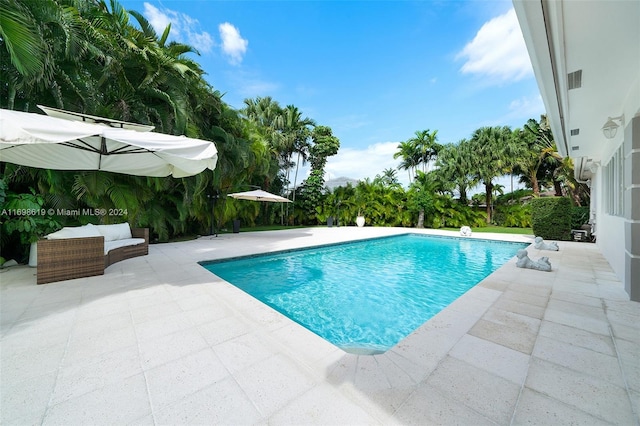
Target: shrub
x: 551, y: 218
x: 579, y: 216
x: 513, y: 216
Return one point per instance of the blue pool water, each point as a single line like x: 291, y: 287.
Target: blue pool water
x: 366, y: 296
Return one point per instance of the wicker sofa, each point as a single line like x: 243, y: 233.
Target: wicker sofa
x: 86, y: 251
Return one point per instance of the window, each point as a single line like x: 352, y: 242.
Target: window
x: 613, y: 174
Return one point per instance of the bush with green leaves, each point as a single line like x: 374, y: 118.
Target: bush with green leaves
x: 579, y: 216
x: 513, y: 216
x: 551, y: 218
x: 25, y: 214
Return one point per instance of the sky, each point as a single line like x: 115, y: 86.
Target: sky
x: 374, y: 71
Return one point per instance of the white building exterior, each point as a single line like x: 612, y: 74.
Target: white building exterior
x: 586, y: 58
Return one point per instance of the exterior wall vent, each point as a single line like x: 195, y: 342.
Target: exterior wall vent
x: 575, y: 132
x: 574, y: 79
x: 575, y: 148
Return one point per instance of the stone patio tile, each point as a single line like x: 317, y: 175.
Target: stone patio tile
x: 604, y: 367
x: 189, y: 301
x: 580, y: 299
x: 578, y: 308
x: 482, y: 293
x: 382, y: 381
x: 57, y: 320
x: 223, y: 329
x: 177, y: 379
x: 534, y: 282
x: 154, y: 311
x: 207, y: 314
x: 162, y: 326
x: 17, y: 342
x: 314, y: 349
x: 494, y: 358
x: 25, y: 401
x: 472, y: 306
x: 521, y: 308
x: 519, y: 340
x: 534, y: 288
x: 158, y: 351
x: 625, y: 318
x: 628, y: 353
x: 625, y: 331
x: 244, y: 351
x: 311, y: 408
x: 429, y: 406
x: 483, y: 392
x: 425, y: 349
x: 343, y: 370
x: 85, y: 376
x: 494, y: 284
x: 597, y: 397
x: 454, y: 322
x: 581, y: 322
x: 256, y: 311
x: 513, y: 320
x: 536, y: 408
x: 539, y: 300
x: 582, y: 338
x: 623, y: 307
x: 146, y: 296
x: 271, y: 383
x: 102, y: 308
x: 221, y: 403
x: 120, y: 402
x: 99, y: 325
x: 89, y: 346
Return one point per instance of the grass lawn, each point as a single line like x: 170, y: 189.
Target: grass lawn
x: 498, y: 230
x: 495, y: 229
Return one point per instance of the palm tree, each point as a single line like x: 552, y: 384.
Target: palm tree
x: 426, y: 147
x: 454, y: 165
x: 536, y: 149
x: 410, y: 158
x: 493, y: 151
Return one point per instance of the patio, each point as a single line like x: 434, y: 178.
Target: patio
x: 160, y: 340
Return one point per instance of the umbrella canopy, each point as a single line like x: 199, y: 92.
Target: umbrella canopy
x: 76, y: 116
x: 41, y: 141
x: 260, y: 195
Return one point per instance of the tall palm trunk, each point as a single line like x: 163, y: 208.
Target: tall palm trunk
x: 421, y: 219
x: 488, y: 190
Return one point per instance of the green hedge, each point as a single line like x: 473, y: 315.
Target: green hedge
x: 579, y: 216
x: 551, y: 218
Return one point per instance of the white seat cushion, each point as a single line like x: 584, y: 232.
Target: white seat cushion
x: 110, y: 245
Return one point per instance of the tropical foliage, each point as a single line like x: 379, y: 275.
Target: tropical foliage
x: 95, y: 57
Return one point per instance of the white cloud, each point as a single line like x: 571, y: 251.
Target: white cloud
x: 522, y: 109
x: 498, y: 51
x: 184, y: 28
x: 157, y: 19
x: 233, y: 45
x: 364, y: 163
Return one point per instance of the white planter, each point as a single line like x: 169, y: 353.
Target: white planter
x: 360, y: 221
x: 33, y: 255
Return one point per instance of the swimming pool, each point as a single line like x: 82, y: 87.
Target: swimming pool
x: 366, y: 296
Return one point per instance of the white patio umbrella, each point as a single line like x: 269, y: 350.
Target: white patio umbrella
x: 260, y: 195
x: 77, y: 116
x: 60, y: 144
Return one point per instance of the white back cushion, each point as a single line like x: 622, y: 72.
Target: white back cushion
x: 119, y: 231
x: 75, y: 232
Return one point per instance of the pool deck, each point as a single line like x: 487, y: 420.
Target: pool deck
x: 160, y: 340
